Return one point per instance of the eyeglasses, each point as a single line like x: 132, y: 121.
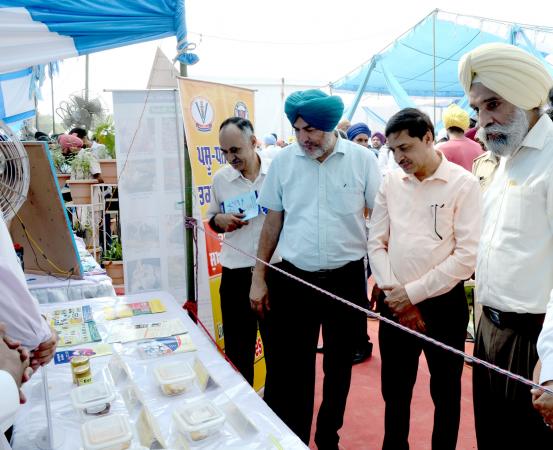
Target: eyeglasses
x: 436, y: 206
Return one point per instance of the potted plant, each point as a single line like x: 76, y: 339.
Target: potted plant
x: 83, y: 229
x: 80, y: 179
x: 105, y: 135
x: 113, y: 261
x: 63, y: 170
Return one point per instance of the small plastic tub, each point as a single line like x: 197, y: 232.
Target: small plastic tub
x: 93, y: 399
x: 199, y: 420
x: 174, y: 378
x: 112, y: 432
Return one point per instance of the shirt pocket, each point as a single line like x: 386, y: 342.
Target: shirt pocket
x: 345, y: 201
x: 441, y: 226
x: 524, y: 210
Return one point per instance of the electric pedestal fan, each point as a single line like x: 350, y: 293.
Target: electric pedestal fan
x: 14, y: 173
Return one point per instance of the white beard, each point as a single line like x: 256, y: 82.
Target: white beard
x: 315, y: 154
x: 510, y: 136
x: 319, y: 151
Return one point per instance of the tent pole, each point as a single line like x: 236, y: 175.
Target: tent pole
x: 189, y: 237
x: 52, y: 93
x: 86, y: 78
x: 37, y: 119
x: 360, y: 91
x: 282, y: 95
x: 434, y: 60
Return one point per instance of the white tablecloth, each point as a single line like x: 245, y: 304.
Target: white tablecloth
x: 250, y: 422
x: 49, y: 289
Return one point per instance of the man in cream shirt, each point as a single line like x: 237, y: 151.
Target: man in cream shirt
x: 423, y: 240
x: 507, y: 87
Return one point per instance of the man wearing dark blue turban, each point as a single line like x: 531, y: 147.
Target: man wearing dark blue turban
x: 360, y: 134
x: 315, y: 192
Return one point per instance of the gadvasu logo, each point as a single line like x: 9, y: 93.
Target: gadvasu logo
x: 202, y: 113
x: 241, y: 110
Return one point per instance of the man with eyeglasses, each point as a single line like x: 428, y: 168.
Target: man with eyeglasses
x: 423, y: 238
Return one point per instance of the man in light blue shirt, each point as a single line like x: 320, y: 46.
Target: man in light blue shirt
x: 316, y: 192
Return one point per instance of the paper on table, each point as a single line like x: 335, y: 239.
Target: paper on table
x: 91, y: 350
x: 157, y: 347
x: 126, y: 332
x: 74, y: 326
x: 125, y: 310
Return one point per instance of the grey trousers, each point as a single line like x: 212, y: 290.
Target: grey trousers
x: 503, y: 412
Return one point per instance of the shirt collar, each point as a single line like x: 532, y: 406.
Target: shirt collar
x: 441, y: 173
x: 234, y: 174
x: 538, y: 134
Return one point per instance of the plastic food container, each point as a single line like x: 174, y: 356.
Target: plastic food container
x: 174, y: 378
x: 112, y: 432
x: 93, y: 399
x: 199, y: 420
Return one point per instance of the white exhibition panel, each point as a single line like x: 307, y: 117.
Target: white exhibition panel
x: 150, y: 150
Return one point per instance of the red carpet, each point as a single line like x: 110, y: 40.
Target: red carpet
x: 364, y: 420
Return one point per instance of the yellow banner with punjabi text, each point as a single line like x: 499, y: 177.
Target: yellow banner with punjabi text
x: 205, y: 105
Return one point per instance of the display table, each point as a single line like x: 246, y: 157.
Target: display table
x: 95, y: 283
x: 250, y: 423
x: 49, y: 289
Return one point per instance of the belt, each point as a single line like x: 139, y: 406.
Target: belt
x: 318, y: 274
x: 239, y: 269
x: 513, y: 320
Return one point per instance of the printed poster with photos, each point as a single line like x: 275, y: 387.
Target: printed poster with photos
x: 205, y: 106
x: 150, y: 152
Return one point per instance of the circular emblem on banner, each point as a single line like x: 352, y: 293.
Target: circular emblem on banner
x: 241, y: 110
x: 202, y: 113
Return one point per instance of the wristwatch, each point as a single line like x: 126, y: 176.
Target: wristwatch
x: 214, y: 226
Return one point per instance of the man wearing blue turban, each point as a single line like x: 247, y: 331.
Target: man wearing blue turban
x: 361, y: 134
x: 318, y: 109
x: 315, y: 192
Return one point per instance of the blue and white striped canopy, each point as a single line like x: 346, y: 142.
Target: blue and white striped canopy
x: 37, y: 32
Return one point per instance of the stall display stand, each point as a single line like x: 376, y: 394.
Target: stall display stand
x: 49, y: 249
x: 104, y: 210
x: 129, y: 367
x: 96, y: 208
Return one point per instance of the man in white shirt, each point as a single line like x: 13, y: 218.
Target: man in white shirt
x: 243, y: 177
x: 270, y: 147
x: 543, y: 402
x: 14, y: 370
x: 18, y: 309
x: 507, y: 87
x: 316, y: 192
x: 386, y: 161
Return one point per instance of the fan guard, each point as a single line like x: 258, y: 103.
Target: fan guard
x: 14, y: 172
